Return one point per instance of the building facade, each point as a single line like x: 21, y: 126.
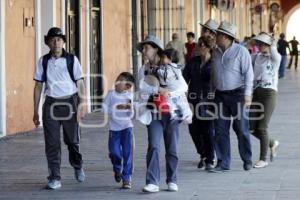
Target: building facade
x: 103, y: 34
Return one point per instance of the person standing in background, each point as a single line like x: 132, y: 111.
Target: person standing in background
x: 179, y: 47
x: 294, y: 53
x: 282, y: 44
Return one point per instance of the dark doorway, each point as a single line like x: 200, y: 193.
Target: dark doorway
x: 96, y: 58
x: 72, y: 27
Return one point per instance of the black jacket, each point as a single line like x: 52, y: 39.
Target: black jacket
x: 197, y: 79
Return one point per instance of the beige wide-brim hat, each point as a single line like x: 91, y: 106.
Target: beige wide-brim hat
x: 227, y: 28
x: 150, y: 39
x: 211, y: 25
x: 264, y: 38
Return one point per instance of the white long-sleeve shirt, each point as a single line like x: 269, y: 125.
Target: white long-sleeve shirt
x: 118, y: 119
x: 266, y: 69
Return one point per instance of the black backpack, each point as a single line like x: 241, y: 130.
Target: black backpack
x: 70, y: 64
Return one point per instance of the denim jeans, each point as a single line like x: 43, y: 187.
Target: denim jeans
x: 283, y: 64
x: 169, y: 130
x: 230, y: 107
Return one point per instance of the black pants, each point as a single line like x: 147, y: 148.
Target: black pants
x: 57, y: 113
x: 202, y: 132
x: 293, y: 55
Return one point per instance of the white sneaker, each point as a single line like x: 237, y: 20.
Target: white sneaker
x: 260, y: 164
x: 54, y: 184
x: 151, y: 188
x: 172, y: 187
x: 273, y: 150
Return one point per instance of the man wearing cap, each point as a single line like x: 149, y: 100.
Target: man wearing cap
x: 64, y: 105
x: 233, y: 80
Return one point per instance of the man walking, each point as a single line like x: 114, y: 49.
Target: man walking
x: 209, y: 28
x: 233, y: 80
x: 294, y: 53
x: 65, y: 91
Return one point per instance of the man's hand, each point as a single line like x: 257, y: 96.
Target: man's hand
x: 82, y: 110
x: 247, y: 101
x: 36, y: 120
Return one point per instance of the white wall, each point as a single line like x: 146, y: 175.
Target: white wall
x: 2, y: 71
x: 45, y: 12
x: 48, y: 20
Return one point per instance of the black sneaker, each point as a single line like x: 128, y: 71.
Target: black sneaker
x: 201, y: 164
x: 79, y: 175
x: 247, y: 166
x: 209, y: 167
x: 219, y: 169
x: 118, y: 177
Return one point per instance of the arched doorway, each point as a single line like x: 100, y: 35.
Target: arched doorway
x: 290, y: 22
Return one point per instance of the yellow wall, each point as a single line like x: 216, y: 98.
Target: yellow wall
x: 188, y: 4
x: 116, y: 39
x: 20, y: 62
x: 58, y: 13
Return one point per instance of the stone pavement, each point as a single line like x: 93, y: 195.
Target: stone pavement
x: 23, y: 164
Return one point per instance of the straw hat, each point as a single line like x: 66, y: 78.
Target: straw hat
x: 150, y: 39
x: 227, y: 28
x: 265, y: 38
x: 211, y: 25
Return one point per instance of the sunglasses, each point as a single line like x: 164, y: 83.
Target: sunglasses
x: 259, y: 43
x: 204, y: 30
x: 201, y: 44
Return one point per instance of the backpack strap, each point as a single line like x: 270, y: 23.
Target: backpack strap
x: 45, y: 66
x: 70, y: 65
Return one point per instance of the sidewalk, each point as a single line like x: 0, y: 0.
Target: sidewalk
x: 23, y: 168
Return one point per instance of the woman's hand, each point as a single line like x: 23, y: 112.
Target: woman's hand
x: 164, y: 92
x: 247, y: 100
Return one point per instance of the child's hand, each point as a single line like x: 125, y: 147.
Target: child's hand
x: 123, y: 106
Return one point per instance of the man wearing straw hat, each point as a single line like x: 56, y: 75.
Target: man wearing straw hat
x: 209, y: 28
x: 233, y: 80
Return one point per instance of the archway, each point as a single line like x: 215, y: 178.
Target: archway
x: 289, y: 20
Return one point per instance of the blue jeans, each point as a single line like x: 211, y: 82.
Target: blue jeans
x: 169, y: 130
x: 283, y: 64
x: 230, y: 105
x: 120, y: 148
